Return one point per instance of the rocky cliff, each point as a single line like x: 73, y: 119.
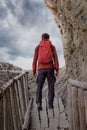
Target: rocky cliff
x: 8, y: 66
x: 71, y: 18
x: 8, y: 71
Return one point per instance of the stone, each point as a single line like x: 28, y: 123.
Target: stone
x: 71, y: 17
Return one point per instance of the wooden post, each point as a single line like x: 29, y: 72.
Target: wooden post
x: 85, y: 100
x: 69, y: 99
x: 10, y: 121
x: 25, y: 91
x: 21, y: 97
x: 75, y: 114
x: 18, y: 103
x: 27, y: 117
x: 1, y: 113
x: 13, y: 109
x: 16, y: 107
x: 81, y: 105
x: 4, y: 112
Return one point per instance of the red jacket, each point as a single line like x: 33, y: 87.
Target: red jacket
x: 54, y: 65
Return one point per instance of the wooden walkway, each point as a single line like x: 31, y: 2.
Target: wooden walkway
x: 49, y: 119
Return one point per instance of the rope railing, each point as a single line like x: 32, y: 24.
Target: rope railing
x: 14, y: 100
x: 77, y: 104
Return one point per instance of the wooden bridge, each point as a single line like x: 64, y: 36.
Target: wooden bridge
x: 18, y: 112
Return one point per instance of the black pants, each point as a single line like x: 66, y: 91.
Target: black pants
x: 42, y: 75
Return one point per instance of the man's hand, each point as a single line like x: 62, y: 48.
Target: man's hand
x: 56, y: 73
x: 34, y: 73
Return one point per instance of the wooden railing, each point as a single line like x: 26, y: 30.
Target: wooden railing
x: 77, y: 104
x: 14, y: 100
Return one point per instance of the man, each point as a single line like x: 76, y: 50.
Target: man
x: 46, y: 57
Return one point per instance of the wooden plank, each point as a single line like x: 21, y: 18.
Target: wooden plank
x: 25, y: 91
x: 63, y: 123
x: 55, y: 111
x: 40, y: 129
x: 81, y: 105
x: 44, y: 121
x: 27, y: 117
x: 51, y: 113
x: 9, y: 121
x: 34, y: 117
x: 4, y: 112
x: 16, y: 107
x: 50, y: 128
x: 53, y: 123
x: 78, y: 84
x: 35, y: 124
x: 69, y: 101
x: 63, y: 116
x: 43, y: 114
x: 21, y: 97
x: 13, y: 109
x: 1, y: 114
x: 56, y: 108
x: 61, y: 106
x: 18, y: 102
x: 22, y: 93
x: 85, y: 100
x: 75, y: 109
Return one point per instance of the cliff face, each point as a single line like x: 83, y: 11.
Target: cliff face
x: 71, y: 18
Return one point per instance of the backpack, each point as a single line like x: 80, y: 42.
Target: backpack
x: 45, y: 55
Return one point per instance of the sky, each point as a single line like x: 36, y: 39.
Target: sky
x: 22, y: 22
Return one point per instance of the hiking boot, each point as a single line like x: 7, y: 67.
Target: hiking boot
x: 51, y: 107
x: 39, y: 106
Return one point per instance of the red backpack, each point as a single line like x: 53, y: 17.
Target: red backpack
x: 45, y: 55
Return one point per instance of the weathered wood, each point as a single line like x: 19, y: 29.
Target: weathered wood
x: 26, y: 90
x: 85, y: 100
x: 75, y: 114
x: 10, y: 121
x: 27, y: 116
x: 13, y: 109
x: 23, y: 94
x: 13, y: 103
x: 8, y: 84
x: 21, y: 97
x: 1, y: 114
x: 16, y: 107
x: 19, y: 76
x: 12, y: 80
x: 26, y: 84
x: 69, y: 100
x: 11, y: 71
x: 61, y: 106
x: 4, y: 113
x: 81, y: 106
x: 18, y: 103
x: 78, y: 84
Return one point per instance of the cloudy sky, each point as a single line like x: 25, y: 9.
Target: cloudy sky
x: 21, y: 24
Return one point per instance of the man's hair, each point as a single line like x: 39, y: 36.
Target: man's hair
x: 45, y: 36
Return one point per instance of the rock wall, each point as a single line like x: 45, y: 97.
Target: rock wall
x: 8, y: 71
x: 71, y: 18
x: 8, y: 66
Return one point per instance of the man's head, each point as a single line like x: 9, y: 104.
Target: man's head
x: 45, y: 36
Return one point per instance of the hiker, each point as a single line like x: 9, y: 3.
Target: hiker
x: 46, y: 56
